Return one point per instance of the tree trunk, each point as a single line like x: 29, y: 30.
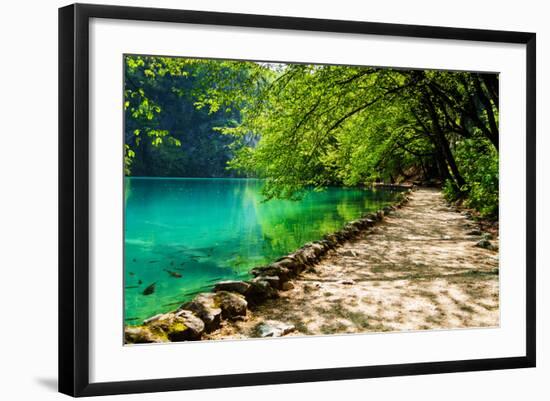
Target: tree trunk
x: 493, y: 127
x: 442, y: 143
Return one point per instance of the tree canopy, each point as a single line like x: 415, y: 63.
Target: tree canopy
x: 304, y: 126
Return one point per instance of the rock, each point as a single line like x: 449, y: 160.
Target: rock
x: 153, y: 318
x: 286, y: 267
x: 315, y: 249
x: 180, y: 326
x: 299, y: 268
x: 240, y: 287
x: 301, y: 261
x: 347, y: 282
x: 483, y: 243
x: 486, y: 244
x: 190, y: 320
x: 272, y: 328
x: 309, y: 287
x: 287, y: 286
x: 308, y: 255
x: 372, y: 216
x: 331, y: 239
x: 293, y: 266
x: 186, y: 326
x: 487, y: 236
x: 274, y: 269
x: 287, y: 262
x: 294, y: 262
x: 290, y: 256
x: 231, y: 304
x: 351, y: 230
x: 260, y: 289
x: 318, y: 248
x: 326, y: 244
x: 368, y: 222
x: 386, y: 210
x: 349, y: 253
x: 274, y: 281
x: 474, y: 232
x: 205, y: 307
x: 342, y: 236
x: 141, y: 335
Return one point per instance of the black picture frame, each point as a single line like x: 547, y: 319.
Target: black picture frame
x: 74, y: 198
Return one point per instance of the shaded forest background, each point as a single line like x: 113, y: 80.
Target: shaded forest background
x: 166, y: 133
x: 304, y: 126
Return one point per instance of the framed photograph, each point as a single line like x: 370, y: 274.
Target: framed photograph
x: 250, y: 199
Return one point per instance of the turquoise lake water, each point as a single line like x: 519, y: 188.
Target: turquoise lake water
x: 207, y: 230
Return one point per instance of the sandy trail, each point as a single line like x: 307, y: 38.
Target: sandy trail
x: 419, y: 269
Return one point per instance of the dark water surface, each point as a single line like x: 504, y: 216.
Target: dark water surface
x: 207, y: 230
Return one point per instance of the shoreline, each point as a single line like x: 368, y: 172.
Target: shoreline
x: 231, y: 300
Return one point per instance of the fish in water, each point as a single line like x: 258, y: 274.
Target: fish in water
x: 140, y: 282
x: 131, y: 273
x: 154, y: 261
x: 150, y: 289
x: 173, y: 274
x: 129, y: 287
x: 134, y: 260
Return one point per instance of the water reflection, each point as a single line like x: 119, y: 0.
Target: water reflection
x: 186, y: 234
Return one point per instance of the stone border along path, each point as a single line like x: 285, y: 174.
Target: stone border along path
x: 414, y: 266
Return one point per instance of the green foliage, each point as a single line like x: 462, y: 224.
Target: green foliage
x: 129, y: 155
x: 303, y: 139
x: 478, y: 162
x: 338, y: 125
x: 172, y: 108
x: 311, y: 126
x: 450, y: 191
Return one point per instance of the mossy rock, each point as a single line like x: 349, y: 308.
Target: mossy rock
x: 486, y: 244
x: 180, y: 326
x: 205, y: 307
x: 142, y: 335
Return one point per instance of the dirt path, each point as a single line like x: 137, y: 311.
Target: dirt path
x: 418, y: 269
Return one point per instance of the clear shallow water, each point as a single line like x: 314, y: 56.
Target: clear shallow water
x: 207, y: 230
